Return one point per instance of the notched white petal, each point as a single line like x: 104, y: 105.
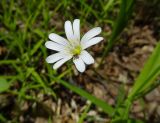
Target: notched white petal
x: 55, y: 57
x: 76, y: 29
x: 86, y: 57
x: 69, y: 30
x: 91, y: 42
x: 90, y: 34
x: 54, y: 46
x: 58, y: 39
x: 61, y: 62
x: 79, y: 64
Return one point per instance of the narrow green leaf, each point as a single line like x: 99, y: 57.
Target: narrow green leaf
x: 9, y: 62
x: 107, y: 6
x: 84, y: 114
x: 36, y: 47
x: 39, y: 33
x: 41, y: 82
x: 4, y: 85
x: 148, y: 90
x: 121, y: 96
x: 148, y: 74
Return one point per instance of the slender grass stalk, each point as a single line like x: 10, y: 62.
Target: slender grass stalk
x: 84, y: 114
x: 9, y: 62
x: 41, y: 82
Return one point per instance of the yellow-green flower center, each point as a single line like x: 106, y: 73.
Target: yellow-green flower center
x: 77, y: 50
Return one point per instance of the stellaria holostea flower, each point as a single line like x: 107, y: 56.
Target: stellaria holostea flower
x: 73, y: 46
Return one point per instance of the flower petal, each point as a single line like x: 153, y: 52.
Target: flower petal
x: 90, y: 34
x: 79, y: 65
x: 86, y: 57
x: 61, y: 62
x: 55, y: 57
x: 76, y: 29
x: 54, y: 46
x: 69, y: 30
x: 58, y: 39
x: 91, y: 42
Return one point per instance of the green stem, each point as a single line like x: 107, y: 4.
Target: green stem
x: 127, y: 109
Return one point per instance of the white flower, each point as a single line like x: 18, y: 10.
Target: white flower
x: 72, y: 47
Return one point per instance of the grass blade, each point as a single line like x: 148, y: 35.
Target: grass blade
x: 84, y: 114
x: 149, y: 73
x: 4, y: 85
